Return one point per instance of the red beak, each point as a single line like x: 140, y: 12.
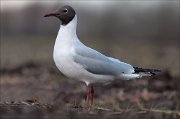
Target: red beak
x: 51, y: 14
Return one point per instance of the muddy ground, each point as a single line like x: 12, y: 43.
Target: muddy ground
x: 34, y: 90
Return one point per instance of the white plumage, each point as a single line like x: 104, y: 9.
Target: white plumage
x: 77, y: 61
x: 80, y: 62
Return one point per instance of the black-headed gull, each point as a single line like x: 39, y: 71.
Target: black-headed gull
x: 79, y: 62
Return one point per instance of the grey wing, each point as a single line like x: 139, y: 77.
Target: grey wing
x: 95, y: 66
x: 98, y: 63
x: 124, y: 67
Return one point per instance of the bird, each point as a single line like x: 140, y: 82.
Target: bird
x: 82, y: 63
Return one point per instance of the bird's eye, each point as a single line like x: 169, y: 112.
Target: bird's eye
x: 65, y: 10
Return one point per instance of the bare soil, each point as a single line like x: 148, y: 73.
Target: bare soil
x: 33, y: 90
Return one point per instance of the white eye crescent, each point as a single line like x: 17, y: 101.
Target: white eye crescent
x: 65, y: 10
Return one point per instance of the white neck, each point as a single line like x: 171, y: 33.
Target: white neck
x: 67, y: 33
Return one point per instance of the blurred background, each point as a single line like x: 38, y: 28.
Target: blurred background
x: 142, y: 33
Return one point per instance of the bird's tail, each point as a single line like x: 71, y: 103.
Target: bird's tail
x: 139, y: 73
x: 146, y: 71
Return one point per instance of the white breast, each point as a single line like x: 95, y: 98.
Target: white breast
x: 64, y: 62
x: 63, y: 55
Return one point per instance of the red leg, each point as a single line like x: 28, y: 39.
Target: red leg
x: 90, y: 96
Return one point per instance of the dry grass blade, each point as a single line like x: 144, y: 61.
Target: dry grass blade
x: 102, y: 108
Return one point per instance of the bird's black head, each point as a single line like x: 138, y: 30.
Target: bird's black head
x: 65, y: 14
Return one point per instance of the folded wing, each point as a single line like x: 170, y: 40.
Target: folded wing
x: 97, y: 63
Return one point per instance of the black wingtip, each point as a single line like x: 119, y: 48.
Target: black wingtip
x: 152, y: 71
